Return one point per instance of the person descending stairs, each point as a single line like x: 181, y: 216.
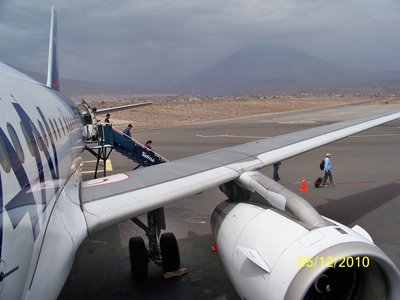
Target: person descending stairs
x: 131, y: 148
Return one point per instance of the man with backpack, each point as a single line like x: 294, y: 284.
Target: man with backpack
x: 326, y: 166
x: 327, y: 169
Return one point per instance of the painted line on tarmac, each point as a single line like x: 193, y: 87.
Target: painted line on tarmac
x: 109, y: 166
x: 232, y: 136
x: 375, y: 135
x: 297, y: 122
x: 349, y: 182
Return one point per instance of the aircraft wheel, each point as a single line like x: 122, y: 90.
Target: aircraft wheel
x: 138, y: 258
x: 170, y: 252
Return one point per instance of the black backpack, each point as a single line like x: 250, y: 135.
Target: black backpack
x: 322, y: 164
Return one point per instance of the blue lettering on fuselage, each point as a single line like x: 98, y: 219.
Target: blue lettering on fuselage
x: 23, y: 202
x: 29, y: 130
x: 51, y: 140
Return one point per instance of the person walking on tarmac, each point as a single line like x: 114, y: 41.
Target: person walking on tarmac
x: 276, y: 169
x: 327, y: 170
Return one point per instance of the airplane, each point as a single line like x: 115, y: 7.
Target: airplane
x: 47, y: 210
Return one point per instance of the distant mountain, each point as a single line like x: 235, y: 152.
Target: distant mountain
x: 73, y: 88
x: 274, y: 70
x: 256, y: 70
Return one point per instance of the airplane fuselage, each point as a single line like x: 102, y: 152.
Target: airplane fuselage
x: 40, y: 155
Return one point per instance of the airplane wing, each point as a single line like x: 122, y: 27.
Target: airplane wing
x: 121, y: 107
x: 119, y: 197
x: 89, y: 116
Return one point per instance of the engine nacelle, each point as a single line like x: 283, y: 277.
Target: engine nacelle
x: 269, y: 255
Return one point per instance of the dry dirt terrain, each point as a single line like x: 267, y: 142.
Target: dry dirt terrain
x: 181, y: 110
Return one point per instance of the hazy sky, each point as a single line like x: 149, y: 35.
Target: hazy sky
x: 160, y: 42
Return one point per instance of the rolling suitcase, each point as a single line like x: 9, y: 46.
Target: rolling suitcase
x: 317, y: 182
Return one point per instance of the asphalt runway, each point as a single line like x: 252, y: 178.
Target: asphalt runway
x: 366, y: 169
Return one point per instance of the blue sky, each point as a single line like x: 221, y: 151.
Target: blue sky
x: 160, y: 42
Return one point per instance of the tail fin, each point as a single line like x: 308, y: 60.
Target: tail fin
x: 52, y: 68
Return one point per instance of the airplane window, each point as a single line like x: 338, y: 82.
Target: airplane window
x: 31, y: 146
x: 44, y: 136
x: 58, y: 129
x: 54, y: 131
x: 61, y: 125
x: 4, y: 158
x: 38, y: 137
x: 16, y: 143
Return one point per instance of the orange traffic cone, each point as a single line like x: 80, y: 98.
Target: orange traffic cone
x: 214, y: 247
x: 303, y: 188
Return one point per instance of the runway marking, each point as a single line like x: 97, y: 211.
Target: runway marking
x: 233, y: 136
x: 375, y: 135
x: 88, y: 161
x: 389, y: 180
x: 297, y: 122
x: 109, y: 166
x: 266, y: 137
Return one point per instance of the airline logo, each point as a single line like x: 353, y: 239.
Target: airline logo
x: 23, y: 202
x: 148, y: 157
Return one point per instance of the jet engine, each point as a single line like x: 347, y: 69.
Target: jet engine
x: 272, y: 249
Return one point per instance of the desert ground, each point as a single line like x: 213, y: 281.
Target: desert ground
x: 182, y: 110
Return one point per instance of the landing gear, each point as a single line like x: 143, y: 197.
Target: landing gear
x: 138, y: 258
x: 169, y: 252
x: 165, y: 253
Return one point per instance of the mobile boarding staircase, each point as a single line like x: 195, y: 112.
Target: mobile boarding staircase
x: 109, y: 138
x: 167, y: 254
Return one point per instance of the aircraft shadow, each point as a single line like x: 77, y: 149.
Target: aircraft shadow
x: 102, y: 271
x: 349, y: 209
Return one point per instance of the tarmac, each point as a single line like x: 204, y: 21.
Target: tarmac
x: 366, y: 170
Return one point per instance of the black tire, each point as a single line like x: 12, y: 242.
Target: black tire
x: 138, y: 258
x: 170, y: 252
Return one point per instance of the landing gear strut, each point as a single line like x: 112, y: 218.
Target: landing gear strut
x: 163, y: 248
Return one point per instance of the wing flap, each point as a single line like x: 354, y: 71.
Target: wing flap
x: 119, y: 207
